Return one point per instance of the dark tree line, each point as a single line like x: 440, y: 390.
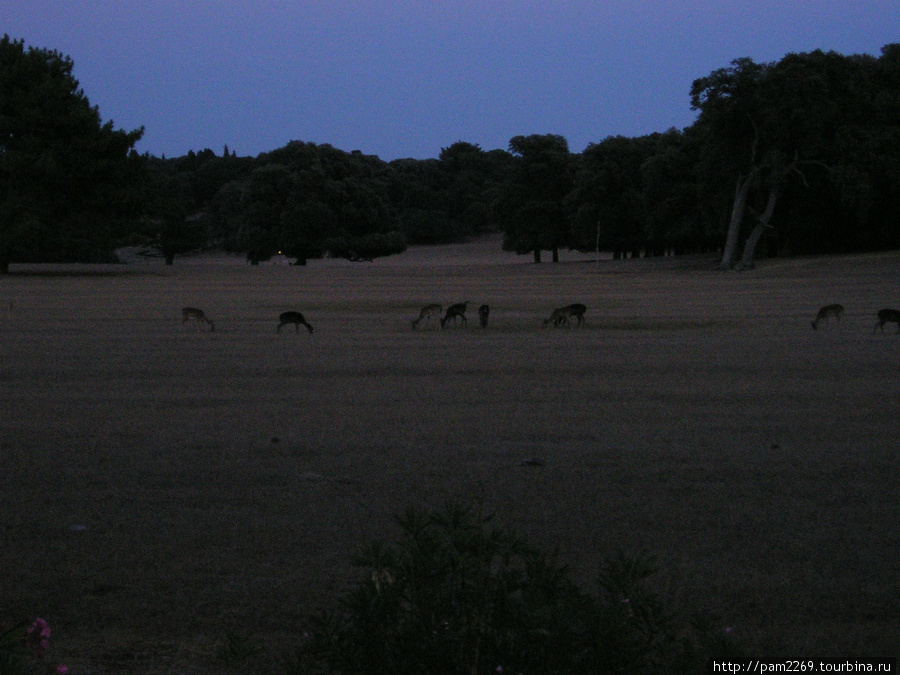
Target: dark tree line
x: 798, y: 156
x: 305, y: 200
x: 809, y: 145
x: 66, y: 178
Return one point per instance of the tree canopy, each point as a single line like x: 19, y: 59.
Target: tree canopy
x: 796, y: 156
x: 779, y: 129
x: 530, y: 209
x: 305, y: 199
x: 67, y: 180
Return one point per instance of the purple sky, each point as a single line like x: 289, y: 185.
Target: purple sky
x: 404, y: 79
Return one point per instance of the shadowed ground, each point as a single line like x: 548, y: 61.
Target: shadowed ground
x: 163, y: 486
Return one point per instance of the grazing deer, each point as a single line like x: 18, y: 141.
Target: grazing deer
x: 483, y: 312
x: 194, y: 314
x: 561, y: 316
x: 427, y: 312
x: 828, y: 311
x: 453, y: 311
x: 887, y: 316
x: 295, y: 318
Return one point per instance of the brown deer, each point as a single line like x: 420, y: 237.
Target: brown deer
x: 194, y: 314
x: 826, y: 312
x: 295, y: 318
x: 453, y: 311
x: 561, y: 316
x: 887, y: 316
x: 427, y: 312
x: 483, y: 312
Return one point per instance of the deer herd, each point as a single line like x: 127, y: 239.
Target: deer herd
x: 558, y: 318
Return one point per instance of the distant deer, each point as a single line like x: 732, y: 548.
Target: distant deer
x: 561, y: 316
x: 887, y: 316
x: 457, y: 310
x: 295, y: 318
x: 194, y: 314
x: 483, y: 312
x: 427, y: 312
x: 826, y: 312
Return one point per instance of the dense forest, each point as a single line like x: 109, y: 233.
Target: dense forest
x: 799, y: 156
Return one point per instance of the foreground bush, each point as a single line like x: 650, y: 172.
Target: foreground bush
x: 453, y: 596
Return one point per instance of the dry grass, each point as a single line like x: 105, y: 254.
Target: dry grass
x: 161, y: 487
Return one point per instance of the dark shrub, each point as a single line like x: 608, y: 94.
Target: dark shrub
x: 455, y: 596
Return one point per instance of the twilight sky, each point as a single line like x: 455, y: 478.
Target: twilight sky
x: 404, y: 78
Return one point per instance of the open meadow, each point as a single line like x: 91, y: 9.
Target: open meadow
x: 163, y: 486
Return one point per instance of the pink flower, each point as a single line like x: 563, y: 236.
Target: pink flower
x: 61, y: 669
x: 37, y: 638
x: 39, y: 627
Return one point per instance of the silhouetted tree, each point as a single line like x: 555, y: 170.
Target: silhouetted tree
x: 530, y: 209
x: 305, y: 199
x: 474, y: 178
x: 67, y: 180
x: 609, y: 196
x: 171, y: 223
x: 419, y: 192
x: 774, y: 128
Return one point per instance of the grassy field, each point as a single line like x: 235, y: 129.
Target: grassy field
x: 162, y: 487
